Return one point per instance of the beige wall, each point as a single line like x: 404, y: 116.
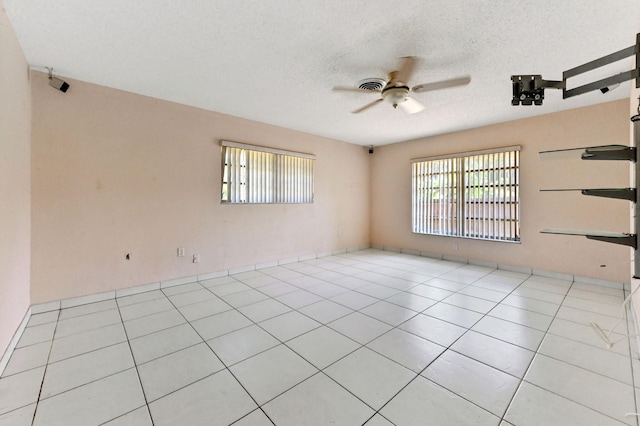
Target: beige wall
x: 117, y: 173
x: 597, y: 125
x: 635, y: 282
x: 15, y: 182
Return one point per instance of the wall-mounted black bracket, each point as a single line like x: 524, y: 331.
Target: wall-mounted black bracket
x: 629, y: 240
x: 617, y: 193
x: 624, y: 239
x: 602, y: 152
x: 529, y: 89
x: 611, y: 152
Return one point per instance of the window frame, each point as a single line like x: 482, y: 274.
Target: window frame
x: 496, y: 208
x: 279, y: 176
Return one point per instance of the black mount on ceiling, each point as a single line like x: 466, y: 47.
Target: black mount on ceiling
x: 529, y: 89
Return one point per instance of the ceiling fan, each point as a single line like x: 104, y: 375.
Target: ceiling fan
x: 396, y: 91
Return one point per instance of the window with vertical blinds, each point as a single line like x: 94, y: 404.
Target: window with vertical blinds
x: 253, y: 174
x: 470, y: 195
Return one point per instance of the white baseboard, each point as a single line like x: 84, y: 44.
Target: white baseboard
x: 92, y: 298
x: 14, y: 341
x: 143, y: 288
x: 512, y: 268
x: 85, y: 300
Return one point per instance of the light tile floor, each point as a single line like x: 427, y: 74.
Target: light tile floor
x: 368, y: 337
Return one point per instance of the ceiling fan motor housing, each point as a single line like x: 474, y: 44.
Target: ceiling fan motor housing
x: 395, y: 95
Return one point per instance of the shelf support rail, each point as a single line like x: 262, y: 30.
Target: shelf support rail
x: 617, y: 193
x: 629, y: 240
x: 636, y: 215
x: 610, y: 153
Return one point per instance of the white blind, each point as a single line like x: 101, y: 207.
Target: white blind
x: 491, y: 190
x: 473, y: 196
x: 435, y: 197
x: 264, y: 175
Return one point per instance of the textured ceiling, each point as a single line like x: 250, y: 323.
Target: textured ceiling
x: 276, y: 61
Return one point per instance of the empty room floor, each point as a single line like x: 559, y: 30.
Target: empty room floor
x: 368, y: 337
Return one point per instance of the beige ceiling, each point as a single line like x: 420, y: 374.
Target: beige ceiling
x: 276, y: 61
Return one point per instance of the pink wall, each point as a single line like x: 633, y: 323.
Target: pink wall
x: 597, y: 125
x: 15, y: 183
x: 117, y: 173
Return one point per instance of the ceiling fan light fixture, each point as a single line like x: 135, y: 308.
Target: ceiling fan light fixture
x: 395, y: 89
x: 395, y: 95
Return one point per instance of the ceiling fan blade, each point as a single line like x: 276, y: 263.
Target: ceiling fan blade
x: 411, y: 106
x: 354, y: 89
x: 367, y: 106
x: 460, y: 81
x: 407, y: 65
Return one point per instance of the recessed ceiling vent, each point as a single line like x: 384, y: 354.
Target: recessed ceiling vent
x: 372, y: 84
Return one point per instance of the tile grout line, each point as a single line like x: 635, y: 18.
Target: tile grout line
x: 633, y: 377
x: 83, y: 384
x: 537, y: 353
x: 135, y: 365
x: 447, y: 348
x: 319, y: 370
x: 44, y: 374
x: 284, y: 343
x: 417, y: 375
x: 219, y: 359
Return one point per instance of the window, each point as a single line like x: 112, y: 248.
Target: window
x: 470, y: 195
x: 252, y: 174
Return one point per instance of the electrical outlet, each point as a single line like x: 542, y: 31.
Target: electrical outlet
x: 180, y: 251
x: 196, y: 258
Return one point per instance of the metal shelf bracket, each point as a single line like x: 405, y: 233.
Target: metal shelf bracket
x: 610, y: 153
x: 605, y: 236
x: 617, y: 193
x: 630, y: 240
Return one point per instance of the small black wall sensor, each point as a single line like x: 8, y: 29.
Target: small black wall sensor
x: 56, y: 83
x: 61, y: 85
